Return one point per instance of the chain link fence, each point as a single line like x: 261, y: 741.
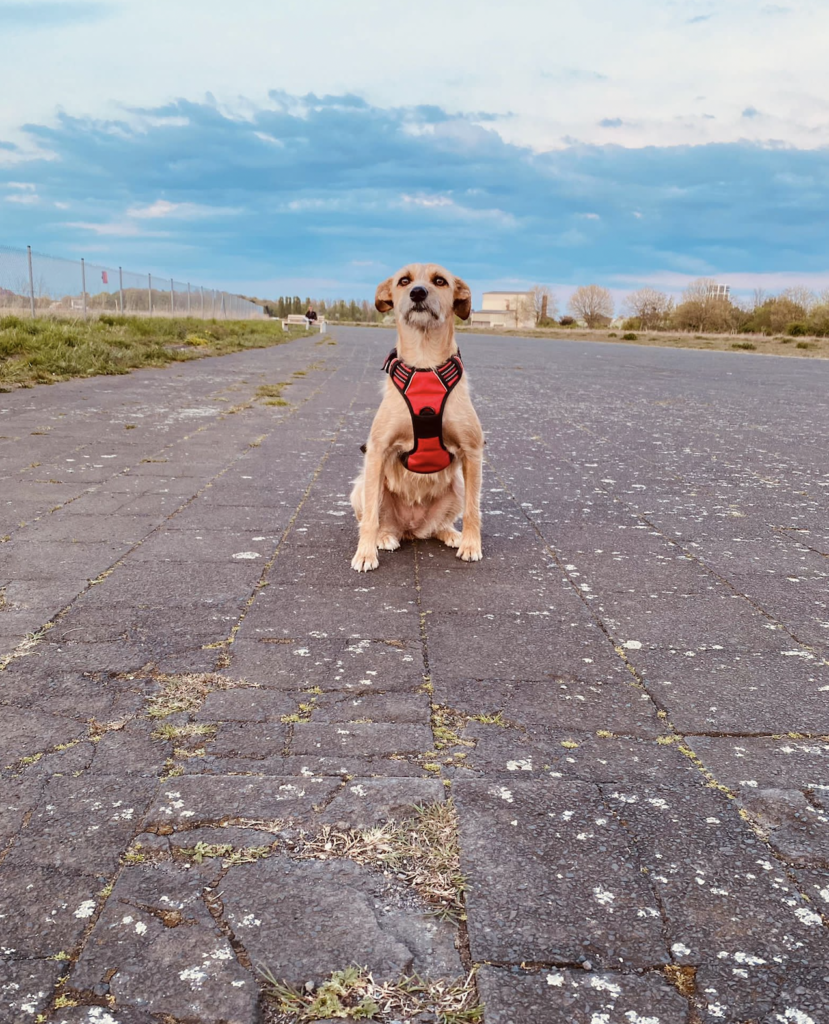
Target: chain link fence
x: 32, y: 284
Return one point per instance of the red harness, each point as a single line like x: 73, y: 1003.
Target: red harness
x: 425, y: 392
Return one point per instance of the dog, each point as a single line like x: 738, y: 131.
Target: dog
x: 424, y: 456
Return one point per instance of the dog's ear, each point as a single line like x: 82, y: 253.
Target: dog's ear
x: 383, y: 300
x: 463, y: 299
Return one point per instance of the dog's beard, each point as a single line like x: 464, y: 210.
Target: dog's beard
x: 424, y: 316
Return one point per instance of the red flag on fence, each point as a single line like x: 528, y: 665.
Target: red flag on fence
x: 104, y: 277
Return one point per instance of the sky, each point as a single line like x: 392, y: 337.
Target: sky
x: 316, y: 146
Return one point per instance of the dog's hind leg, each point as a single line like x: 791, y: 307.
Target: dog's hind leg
x: 450, y: 537
x: 388, y: 537
x: 357, y: 496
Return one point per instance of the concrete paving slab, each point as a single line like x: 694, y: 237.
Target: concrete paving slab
x: 553, y: 877
x: 553, y: 995
x: 642, y: 642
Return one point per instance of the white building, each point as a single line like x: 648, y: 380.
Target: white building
x: 719, y: 291
x: 505, y: 309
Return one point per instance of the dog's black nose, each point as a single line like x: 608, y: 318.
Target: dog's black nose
x: 418, y: 294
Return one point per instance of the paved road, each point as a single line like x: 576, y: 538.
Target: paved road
x: 627, y: 700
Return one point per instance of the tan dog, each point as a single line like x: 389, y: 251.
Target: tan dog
x: 390, y: 502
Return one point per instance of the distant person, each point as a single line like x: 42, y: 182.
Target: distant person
x: 311, y: 314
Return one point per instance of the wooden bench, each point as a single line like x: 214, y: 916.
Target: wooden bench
x: 298, y: 318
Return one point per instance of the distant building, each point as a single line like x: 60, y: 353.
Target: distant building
x: 719, y: 291
x: 505, y: 309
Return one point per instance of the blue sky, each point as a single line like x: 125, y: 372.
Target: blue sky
x: 314, y: 147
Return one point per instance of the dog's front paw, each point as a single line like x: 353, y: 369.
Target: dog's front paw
x: 365, y: 560
x: 470, y: 550
x: 388, y: 542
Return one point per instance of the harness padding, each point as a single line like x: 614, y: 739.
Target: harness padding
x: 425, y: 392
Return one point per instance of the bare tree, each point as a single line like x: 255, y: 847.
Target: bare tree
x: 544, y: 303
x: 800, y: 296
x: 651, y: 307
x: 591, y: 303
x: 760, y: 298
x: 525, y: 309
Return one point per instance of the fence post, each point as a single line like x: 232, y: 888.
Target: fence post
x: 188, y: 298
x: 150, y: 292
x: 201, y: 289
x: 121, y: 290
x: 172, y: 297
x: 31, y: 281
x: 83, y: 284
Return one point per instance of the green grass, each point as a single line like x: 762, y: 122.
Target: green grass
x: 48, y: 350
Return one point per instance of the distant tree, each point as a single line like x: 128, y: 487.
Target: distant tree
x: 592, y: 303
x: 702, y: 309
x: 650, y: 307
x: 544, y: 302
x: 774, y: 316
x: 803, y: 297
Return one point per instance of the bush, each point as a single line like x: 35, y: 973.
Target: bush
x: 630, y: 336
x: 803, y: 344
x: 633, y: 323
x: 567, y: 321
x: 819, y: 321
x: 747, y: 346
x: 613, y: 334
x: 797, y: 329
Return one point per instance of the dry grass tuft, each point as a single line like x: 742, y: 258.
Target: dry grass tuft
x: 353, y: 994
x: 423, y: 850
x: 682, y: 977
x: 186, y: 692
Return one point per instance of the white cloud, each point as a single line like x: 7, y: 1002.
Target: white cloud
x: 539, y: 102
x: 122, y: 229
x: 428, y: 201
x: 161, y: 208
x: 26, y: 198
x: 26, y: 186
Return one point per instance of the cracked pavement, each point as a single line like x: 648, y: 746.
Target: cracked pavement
x: 627, y: 701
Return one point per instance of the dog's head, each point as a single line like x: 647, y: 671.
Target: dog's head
x: 425, y: 296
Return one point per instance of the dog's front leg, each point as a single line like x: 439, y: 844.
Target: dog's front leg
x: 470, y: 546
x: 366, y: 556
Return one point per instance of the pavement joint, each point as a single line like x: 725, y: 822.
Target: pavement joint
x: 644, y: 786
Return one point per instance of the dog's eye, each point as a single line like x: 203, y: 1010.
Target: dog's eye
x: 440, y: 282
x: 404, y: 281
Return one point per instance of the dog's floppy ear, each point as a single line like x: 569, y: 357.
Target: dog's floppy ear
x: 383, y: 300
x: 463, y: 299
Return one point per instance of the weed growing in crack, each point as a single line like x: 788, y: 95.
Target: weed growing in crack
x: 424, y: 851
x: 353, y: 994
x: 682, y: 977
x: 496, y: 719
x: 230, y: 857
x: 446, y: 726
x: 165, y: 731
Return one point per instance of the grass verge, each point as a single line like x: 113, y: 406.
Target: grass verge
x: 45, y: 351
x: 778, y: 345
x: 353, y: 994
